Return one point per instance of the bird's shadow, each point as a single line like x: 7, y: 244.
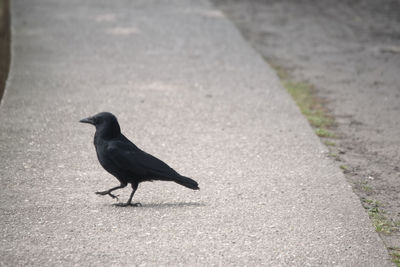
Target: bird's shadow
x: 168, y: 205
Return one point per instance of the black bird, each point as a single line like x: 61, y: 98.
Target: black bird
x: 126, y: 161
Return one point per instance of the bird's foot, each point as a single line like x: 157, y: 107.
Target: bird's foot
x: 128, y: 204
x: 103, y: 193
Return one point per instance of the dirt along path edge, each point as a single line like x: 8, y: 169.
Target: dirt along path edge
x: 345, y: 56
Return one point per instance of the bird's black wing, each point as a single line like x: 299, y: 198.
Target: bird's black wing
x: 130, y: 158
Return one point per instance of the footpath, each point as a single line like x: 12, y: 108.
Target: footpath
x: 188, y: 89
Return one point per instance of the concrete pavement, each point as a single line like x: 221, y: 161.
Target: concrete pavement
x: 187, y: 88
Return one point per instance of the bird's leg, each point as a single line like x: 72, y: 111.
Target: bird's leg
x: 134, y: 188
x: 108, y: 192
x: 129, y: 203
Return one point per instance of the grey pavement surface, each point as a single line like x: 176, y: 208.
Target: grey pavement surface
x: 187, y: 88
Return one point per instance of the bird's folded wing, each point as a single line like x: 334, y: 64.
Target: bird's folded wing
x: 138, y: 161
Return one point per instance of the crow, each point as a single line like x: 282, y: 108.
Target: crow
x: 124, y: 160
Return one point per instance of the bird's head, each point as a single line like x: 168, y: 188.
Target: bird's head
x: 106, y: 124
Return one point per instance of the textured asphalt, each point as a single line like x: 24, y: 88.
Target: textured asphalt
x: 187, y: 88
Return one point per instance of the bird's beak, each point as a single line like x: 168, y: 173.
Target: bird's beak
x: 87, y: 120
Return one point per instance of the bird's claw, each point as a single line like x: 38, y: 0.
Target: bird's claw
x: 103, y: 193
x: 128, y: 204
x: 114, y: 196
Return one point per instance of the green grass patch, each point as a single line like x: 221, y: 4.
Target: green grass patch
x: 334, y: 156
x: 378, y: 217
x: 329, y: 143
x: 363, y: 186
x: 323, y: 132
x: 366, y: 188
x: 309, y: 104
x: 345, y: 168
x: 395, y: 253
x: 282, y: 74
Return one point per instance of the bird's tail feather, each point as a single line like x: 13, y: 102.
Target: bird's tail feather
x: 187, y: 182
